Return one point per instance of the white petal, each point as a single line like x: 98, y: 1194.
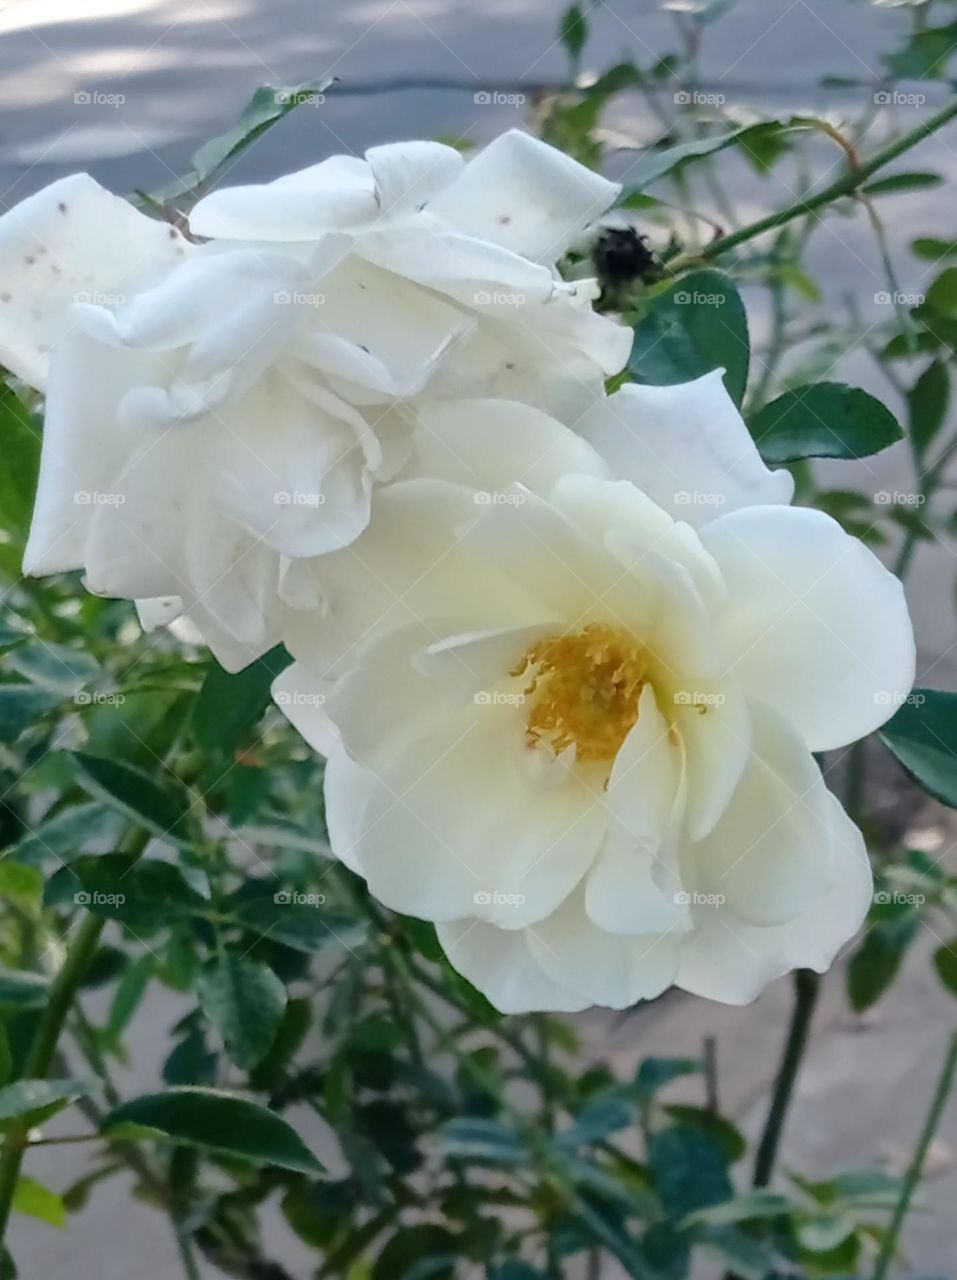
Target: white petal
x: 603, y: 968
x: 490, y: 444
x: 714, y: 724
x: 815, y: 626
x: 644, y: 780
x: 84, y: 452
x: 769, y: 854
x: 337, y: 194
x: 301, y: 697
x: 407, y: 174
x: 728, y: 960
x: 623, y: 894
x: 72, y: 241
x: 499, y: 963
x: 527, y: 196
x: 686, y: 446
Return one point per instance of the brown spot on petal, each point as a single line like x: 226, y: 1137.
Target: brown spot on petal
x: 504, y: 219
x: 6, y: 297
x: 61, y: 206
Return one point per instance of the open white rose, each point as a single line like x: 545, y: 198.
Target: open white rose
x: 214, y: 409
x: 571, y: 720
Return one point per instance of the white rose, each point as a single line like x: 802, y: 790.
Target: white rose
x: 223, y: 402
x: 577, y: 730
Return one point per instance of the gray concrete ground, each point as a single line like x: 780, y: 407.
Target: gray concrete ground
x: 183, y: 68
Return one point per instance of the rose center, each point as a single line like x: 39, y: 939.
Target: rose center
x: 583, y: 690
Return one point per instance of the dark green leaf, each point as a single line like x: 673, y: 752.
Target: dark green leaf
x: 67, y: 834
x: 20, y: 989
x: 56, y: 667
x: 933, y: 250
x: 19, y: 465
x: 218, y: 1121
x: 655, y: 1073
x: 36, y: 1100
x: 245, y: 1001
x: 695, y: 325
x: 942, y: 294
x: 573, y: 32
x: 21, y: 705
x: 477, y: 1139
x: 823, y: 420
x: 129, y: 993
x: 923, y: 737
x: 875, y: 964
x: 689, y: 1169
x: 161, y: 807
x: 898, y: 182
x: 927, y: 404
x: 229, y: 705
x: 945, y: 962
x: 144, y: 891
x: 717, y: 1127
x: 423, y: 1252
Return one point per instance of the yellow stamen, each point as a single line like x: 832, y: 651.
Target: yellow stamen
x: 584, y: 690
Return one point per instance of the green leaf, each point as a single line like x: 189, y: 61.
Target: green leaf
x: 161, y: 807
x: 923, y: 737
x: 717, y: 1127
x: 21, y: 705
x: 573, y: 33
x: 477, y: 1139
x: 874, y: 966
x: 143, y: 891
x: 689, y: 1170
x: 656, y: 162
x: 823, y: 420
x: 898, y: 182
x: 20, y: 989
x: 925, y: 56
x: 266, y: 107
x: 297, y: 920
x: 19, y: 465
x: 217, y: 1121
x: 696, y: 324
x: 927, y: 403
x: 21, y: 885
x: 245, y: 1001
x: 228, y: 706
x: 945, y: 962
x: 33, y: 1198
x: 942, y: 294
x: 932, y: 250
x: 66, y: 834
x: 129, y: 993
x: 655, y: 1073
x: 404, y: 1255
x: 54, y: 666
x: 749, y: 1207
x: 741, y: 1255
x: 32, y: 1101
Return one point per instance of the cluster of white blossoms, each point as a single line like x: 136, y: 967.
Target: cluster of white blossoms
x: 568, y: 654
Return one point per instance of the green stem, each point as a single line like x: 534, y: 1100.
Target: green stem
x: 846, y: 185
x: 62, y: 991
x: 806, y: 987
x: 913, y: 1175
